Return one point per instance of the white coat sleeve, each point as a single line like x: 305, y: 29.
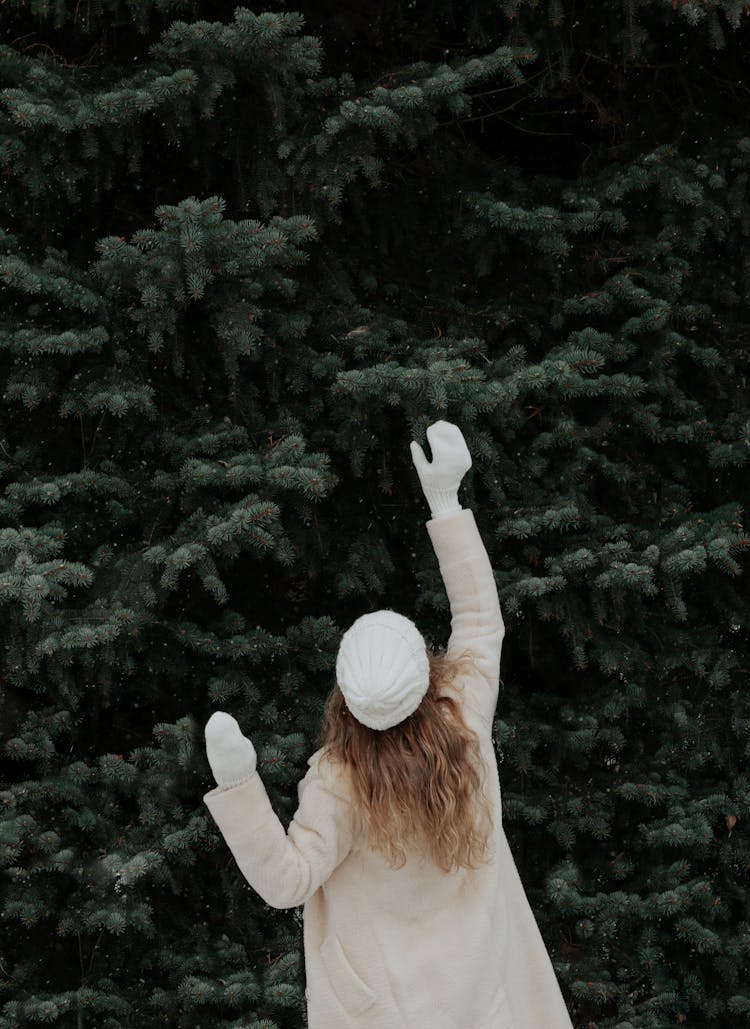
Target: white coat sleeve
x: 286, y: 868
x: 476, y: 619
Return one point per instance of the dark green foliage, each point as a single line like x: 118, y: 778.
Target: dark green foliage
x: 246, y: 255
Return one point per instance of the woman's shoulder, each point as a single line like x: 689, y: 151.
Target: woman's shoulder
x: 331, y: 770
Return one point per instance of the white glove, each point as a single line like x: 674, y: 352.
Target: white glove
x: 231, y: 755
x: 441, y: 478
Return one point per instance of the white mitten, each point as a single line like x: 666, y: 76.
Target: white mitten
x: 441, y: 478
x: 231, y: 755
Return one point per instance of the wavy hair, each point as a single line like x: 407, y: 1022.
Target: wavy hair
x: 419, y: 784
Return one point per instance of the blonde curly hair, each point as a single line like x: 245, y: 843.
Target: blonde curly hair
x: 419, y: 784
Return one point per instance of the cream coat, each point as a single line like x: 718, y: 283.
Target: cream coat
x: 409, y: 948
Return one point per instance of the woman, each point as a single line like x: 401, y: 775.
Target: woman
x: 414, y: 913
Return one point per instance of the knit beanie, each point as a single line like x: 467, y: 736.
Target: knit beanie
x: 382, y: 669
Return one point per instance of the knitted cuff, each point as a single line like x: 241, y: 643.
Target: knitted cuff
x: 443, y: 502
x: 236, y: 782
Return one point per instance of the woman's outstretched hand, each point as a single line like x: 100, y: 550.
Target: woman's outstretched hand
x: 441, y: 477
x: 231, y: 755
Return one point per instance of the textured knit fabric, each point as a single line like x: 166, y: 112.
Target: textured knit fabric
x: 382, y: 668
x: 415, y: 947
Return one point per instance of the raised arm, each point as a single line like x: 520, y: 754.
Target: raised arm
x: 476, y: 619
x: 284, y: 867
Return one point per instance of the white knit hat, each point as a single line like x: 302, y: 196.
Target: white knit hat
x: 382, y: 669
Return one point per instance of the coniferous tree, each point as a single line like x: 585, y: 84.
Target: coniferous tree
x: 245, y: 256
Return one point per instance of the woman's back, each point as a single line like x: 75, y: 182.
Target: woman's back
x: 410, y: 946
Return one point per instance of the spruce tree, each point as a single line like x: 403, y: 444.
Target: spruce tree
x: 246, y: 255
